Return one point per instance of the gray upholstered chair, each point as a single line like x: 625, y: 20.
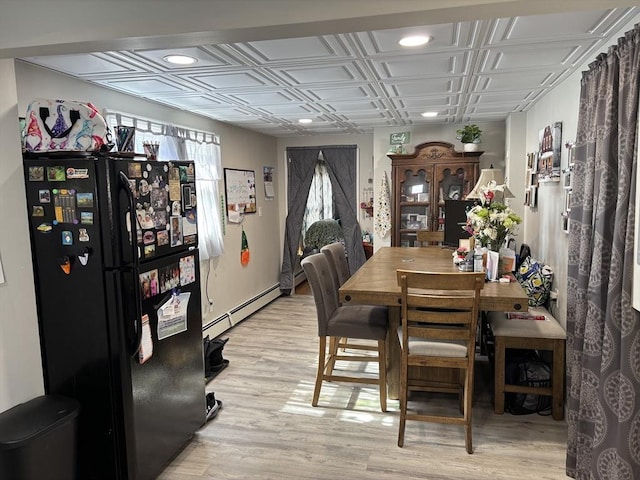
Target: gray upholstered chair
x: 337, y: 257
x: 439, y: 319
x: 335, y: 321
x: 339, y: 266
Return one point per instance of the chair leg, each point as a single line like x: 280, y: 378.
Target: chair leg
x: 468, y: 404
x: 403, y: 403
x: 333, y: 351
x: 320, y: 374
x: 461, y: 390
x: 382, y: 373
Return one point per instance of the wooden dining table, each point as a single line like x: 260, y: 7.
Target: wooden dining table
x: 375, y: 283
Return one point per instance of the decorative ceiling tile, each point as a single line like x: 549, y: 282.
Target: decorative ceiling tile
x: 355, y: 82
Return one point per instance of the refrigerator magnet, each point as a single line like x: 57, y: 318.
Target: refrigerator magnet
x: 149, y: 237
x: 187, y: 190
x: 65, y: 264
x: 160, y: 219
x: 55, y: 174
x: 86, y: 218
x: 44, y: 196
x: 84, y: 200
x: 37, y: 211
x: 83, y: 256
x: 82, y: 173
x: 162, y: 237
x: 83, y: 236
x: 67, y: 237
x: 149, y: 251
x: 36, y: 174
x: 189, y: 224
x: 159, y: 198
x: 143, y: 188
x: 44, y: 228
x: 187, y: 270
x: 176, y: 231
x: 135, y: 170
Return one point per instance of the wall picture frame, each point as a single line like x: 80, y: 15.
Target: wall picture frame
x: 549, y: 153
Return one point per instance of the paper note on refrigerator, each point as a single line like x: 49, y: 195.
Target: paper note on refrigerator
x: 172, y: 316
x: 146, y: 344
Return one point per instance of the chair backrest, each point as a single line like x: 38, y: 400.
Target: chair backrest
x: 320, y: 278
x: 337, y: 258
x: 427, y: 238
x: 440, y: 306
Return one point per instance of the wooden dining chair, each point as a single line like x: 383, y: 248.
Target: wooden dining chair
x: 430, y: 239
x: 439, y: 319
x: 335, y: 321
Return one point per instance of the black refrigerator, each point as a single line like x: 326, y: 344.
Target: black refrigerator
x: 115, y: 258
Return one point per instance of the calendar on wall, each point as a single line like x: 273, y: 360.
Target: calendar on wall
x: 240, y: 191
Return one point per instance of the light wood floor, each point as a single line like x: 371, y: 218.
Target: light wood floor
x: 267, y: 428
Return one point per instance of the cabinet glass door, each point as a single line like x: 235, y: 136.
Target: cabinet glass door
x: 414, y: 205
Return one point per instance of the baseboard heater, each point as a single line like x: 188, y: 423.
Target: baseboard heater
x: 242, y: 311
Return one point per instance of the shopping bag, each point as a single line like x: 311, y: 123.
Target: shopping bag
x: 536, y: 279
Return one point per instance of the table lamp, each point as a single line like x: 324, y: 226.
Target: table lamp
x: 488, y: 175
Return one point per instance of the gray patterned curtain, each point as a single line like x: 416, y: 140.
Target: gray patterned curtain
x: 341, y: 161
x: 603, y: 329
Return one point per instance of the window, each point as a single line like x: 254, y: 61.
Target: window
x: 320, y: 199
x: 177, y: 143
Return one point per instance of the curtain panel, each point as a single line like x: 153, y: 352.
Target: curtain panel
x: 341, y: 162
x: 603, y: 330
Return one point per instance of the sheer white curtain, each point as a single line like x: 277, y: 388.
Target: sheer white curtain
x: 208, y: 175
x: 177, y: 143
x: 320, y: 199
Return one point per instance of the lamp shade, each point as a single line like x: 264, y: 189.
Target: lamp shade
x: 488, y: 175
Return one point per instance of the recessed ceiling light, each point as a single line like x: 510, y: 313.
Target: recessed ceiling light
x: 429, y: 114
x: 180, y: 59
x: 414, y: 41
x: 305, y: 120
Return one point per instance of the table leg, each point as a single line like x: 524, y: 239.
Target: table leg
x: 557, y: 379
x: 499, y: 366
x: 393, y: 354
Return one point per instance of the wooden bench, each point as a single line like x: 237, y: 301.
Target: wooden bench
x: 529, y: 334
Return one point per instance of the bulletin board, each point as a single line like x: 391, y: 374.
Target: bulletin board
x: 240, y: 191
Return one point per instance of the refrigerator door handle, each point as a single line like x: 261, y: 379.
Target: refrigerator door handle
x: 124, y: 185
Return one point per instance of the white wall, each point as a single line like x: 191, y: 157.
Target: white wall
x: 20, y: 365
x: 228, y: 284
x: 543, y: 225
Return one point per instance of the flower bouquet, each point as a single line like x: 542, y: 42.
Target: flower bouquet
x: 491, y: 222
x: 460, y: 255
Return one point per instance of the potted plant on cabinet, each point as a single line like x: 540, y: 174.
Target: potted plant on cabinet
x: 470, y: 136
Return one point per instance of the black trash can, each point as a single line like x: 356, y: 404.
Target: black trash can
x: 38, y: 439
